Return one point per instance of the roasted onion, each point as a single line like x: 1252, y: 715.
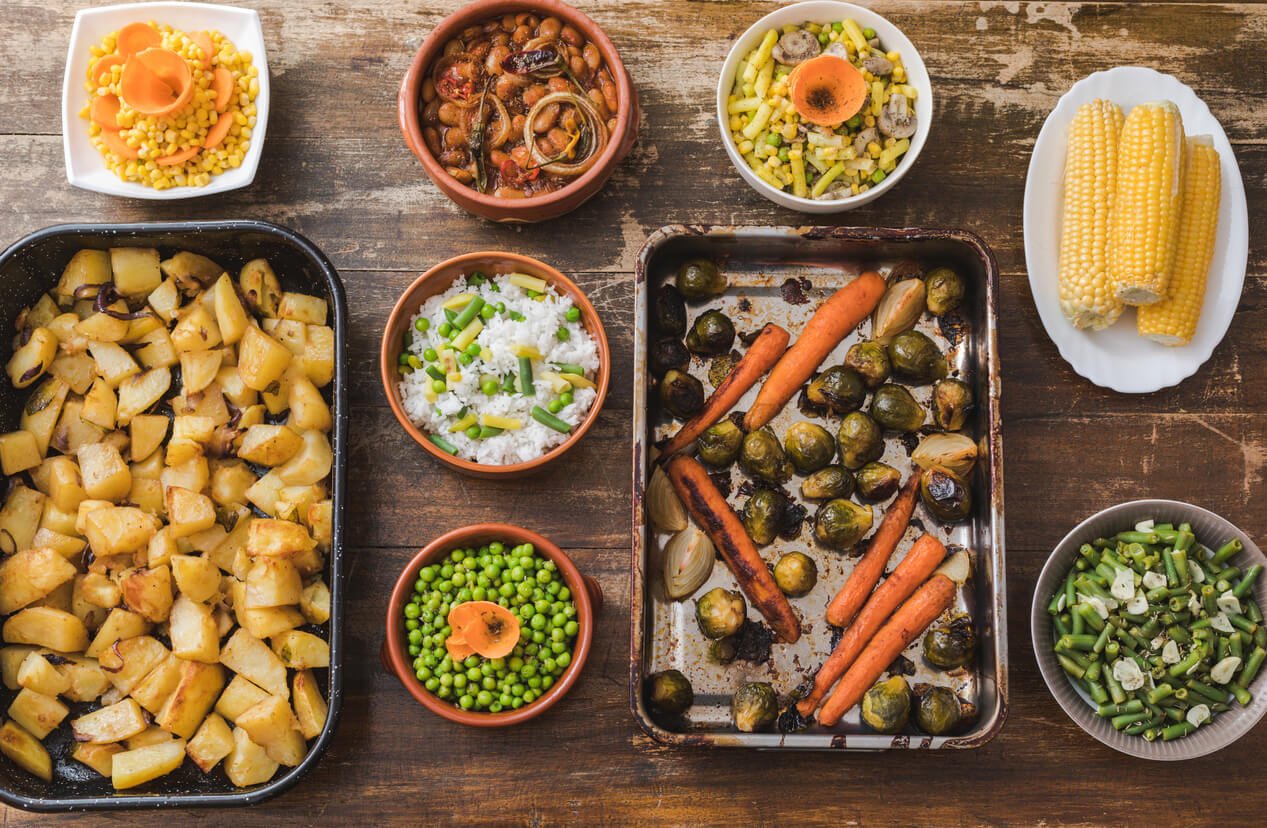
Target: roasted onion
x: 591, y: 122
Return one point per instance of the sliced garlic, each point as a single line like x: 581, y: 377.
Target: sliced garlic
x: 1196, y: 572
x: 1123, y: 588
x: 1229, y: 603
x: 1170, y: 653
x: 1154, y: 580
x: 1222, y: 672
x: 1222, y: 624
x: 1145, y: 526
x: 1128, y: 674
x: 1137, y: 605
x: 1198, y: 715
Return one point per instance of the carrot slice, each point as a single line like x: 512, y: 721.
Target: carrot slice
x: 222, y: 85
x: 137, y: 37
x: 827, y: 90
x: 104, y: 65
x: 156, y: 82
x: 115, y: 143
x: 104, y: 112
x: 178, y: 157
x: 203, y: 41
x: 458, y: 648
x: 463, y: 614
x: 216, y: 136
x: 492, y: 631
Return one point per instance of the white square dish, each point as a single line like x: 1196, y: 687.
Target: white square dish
x: 85, y: 168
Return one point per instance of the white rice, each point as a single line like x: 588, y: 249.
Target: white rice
x: 542, y: 320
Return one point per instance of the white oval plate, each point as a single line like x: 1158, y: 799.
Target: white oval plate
x: 1118, y: 357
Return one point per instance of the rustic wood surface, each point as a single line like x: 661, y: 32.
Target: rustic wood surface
x: 336, y: 169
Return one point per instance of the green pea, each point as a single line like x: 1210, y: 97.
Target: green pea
x: 430, y: 355
x: 496, y: 547
x: 487, y: 312
x: 564, y: 659
x: 445, y: 329
x: 824, y: 38
x: 571, y: 628
x: 411, y: 610
x: 559, y: 619
x: 465, y: 359
x: 432, y: 684
x: 411, y: 624
x: 534, y: 683
x: 563, y: 334
x: 421, y: 325
x: 439, y: 386
x: 466, y: 702
x: 554, y: 406
x: 774, y: 139
x: 838, y: 26
x: 566, y: 398
x: 868, y: 33
x: 459, y: 682
x: 501, y: 307
x: 572, y: 314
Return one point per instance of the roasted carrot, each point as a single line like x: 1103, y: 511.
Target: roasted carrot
x: 914, y: 569
x: 911, y: 619
x: 710, y: 510
x: 845, y: 605
x: 831, y: 323
x: 761, y: 355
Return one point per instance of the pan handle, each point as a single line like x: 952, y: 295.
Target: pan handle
x: 595, y: 591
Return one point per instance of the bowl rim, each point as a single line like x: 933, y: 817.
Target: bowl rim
x: 1239, y: 720
x: 394, y: 652
x: 411, y: 128
x: 216, y: 15
x: 816, y: 8
x: 405, y: 308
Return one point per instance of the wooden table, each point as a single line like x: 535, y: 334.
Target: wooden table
x: 336, y: 169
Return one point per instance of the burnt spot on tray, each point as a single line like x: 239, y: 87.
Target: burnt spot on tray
x: 721, y: 367
x: 747, y: 488
x: 793, y: 520
x: 910, y: 441
x: 918, y: 525
x: 952, y: 327
x: 791, y: 720
x: 793, y: 291
x: 745, y: 305
x: 749, y: 337
x: 721, y: 479
x: 836, y: 634
x: 901, y: 666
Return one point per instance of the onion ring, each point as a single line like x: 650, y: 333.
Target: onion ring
x: 592, y: 121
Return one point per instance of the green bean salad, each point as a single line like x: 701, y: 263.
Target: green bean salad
x: 1161, y: 633
x: 518, y: 579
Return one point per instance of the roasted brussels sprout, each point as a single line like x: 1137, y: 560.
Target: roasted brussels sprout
x: 945, y: 290
x: 841, y: 523
x: 796, y: 574
x: 713, y: 333
x: 894, y: 408
x: 871, y: 361
x: 762, y: 457
x: 723, y: 650
x: 809, y: 446
x: 951, y: 643
x: 719, y: 444
x: 952, y: 400
x: 859, y: 439
x: 937, y: 711
x: 669, y: 312
x: 915, y: 358
x: 667, y: 354
x: 699, y: 279
x: 681, y: 394
x: 670, y: 692
x: 720, y: 612
x: 763, y: 515
x: 838, y: 389
x: 886, y: 707
x: 828, y: 483
x: 754, y: 706
x: 877, y: 481
x: 947, y: 497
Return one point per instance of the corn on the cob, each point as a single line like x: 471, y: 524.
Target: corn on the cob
x: 1144, y: 223
x: 1173, y: 320
x: 1087, y: 295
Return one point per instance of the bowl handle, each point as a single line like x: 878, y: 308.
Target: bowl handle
x: 595, y: 591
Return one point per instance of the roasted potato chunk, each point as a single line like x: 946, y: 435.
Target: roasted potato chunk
x: 27, y: 752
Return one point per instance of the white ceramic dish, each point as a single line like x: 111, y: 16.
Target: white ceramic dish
x: 1117, y: 357
x: 827, y: 11
x: 85, y: 167
x: 1210, y: 529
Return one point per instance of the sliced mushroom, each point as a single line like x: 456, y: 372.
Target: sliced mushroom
x: 878, y: 65
x: 865, y: 137
x: 896, y: 119
x: 796, y: 47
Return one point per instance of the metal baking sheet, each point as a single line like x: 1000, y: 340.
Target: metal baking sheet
x: 781, y: 274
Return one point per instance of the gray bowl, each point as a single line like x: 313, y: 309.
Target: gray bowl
x: 1210, y: 529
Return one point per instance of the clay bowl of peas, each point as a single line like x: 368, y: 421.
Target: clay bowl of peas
x: 490, y: 625
x: 1148, y: 628
x: 495, y: 363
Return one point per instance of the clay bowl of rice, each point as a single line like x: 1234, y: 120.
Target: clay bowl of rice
x: 495, y: 363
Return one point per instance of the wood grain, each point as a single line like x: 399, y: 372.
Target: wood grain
x: 336, y: 169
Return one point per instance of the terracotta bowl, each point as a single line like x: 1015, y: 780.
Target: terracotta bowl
x: 437, y: 280
x: 539, y: 208
x: 586, y: 594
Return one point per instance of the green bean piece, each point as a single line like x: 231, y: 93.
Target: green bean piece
x: 468, y: 313
x: 1110, y: 710
x: 1121, y: 722
x: 1180, y: 559
x: 1096, y: 691
x: 1177, y: 604
x: 1253, y: 663
x: 1078, y: 624
x: 1260, y: 637
x: 1102, y: 543
x: 1115, y: 687
x: 1061, y: 625
x: 1222, y: 648
x: 1184, y: 541
x: 1112, y: 649
x: 508, y: 384
x: 442, y: 444
x: 525, y: 377
x: 549, y: 420
x: 1053, y: 606
x: 1071, y: 592
x: 1231, y: 574
x: 1243, y: 624
x: 569, y: 368
x: 1227, y: 550
x: 434, y: 372
x: 1243, y: 696
x: 1187, y: 663
x: 1181, y: 693
x: 1174, y: 714
x: 1102, y: 639
x: 1160, y: 692
x: 1177, y: 731
x: 1076, y: 642
x: 1150, y: 735
x: 489, y: 431
x: 1089, y: 615
x: 1247, y: 583
x: 450, y: 315
x: 1071, y: 667
x: 1252, y: 610
x: 1094, y: 668
x: 1138, y: 537
x: 1207, y: 692
x: 1149, y: 630
x: 1236, y: 645
x: 1089, y: 553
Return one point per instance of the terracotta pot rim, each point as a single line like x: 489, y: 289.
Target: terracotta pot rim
x: 406, y: 306
x: 395, y: 647
x: 516, y: 209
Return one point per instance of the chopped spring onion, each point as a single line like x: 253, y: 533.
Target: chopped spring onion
x: 442, y: 444
x: 549, y: 420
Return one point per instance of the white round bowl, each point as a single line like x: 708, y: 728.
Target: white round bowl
x: 1210, y: 529
x: 85, y: 168
x: 827, y: 11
